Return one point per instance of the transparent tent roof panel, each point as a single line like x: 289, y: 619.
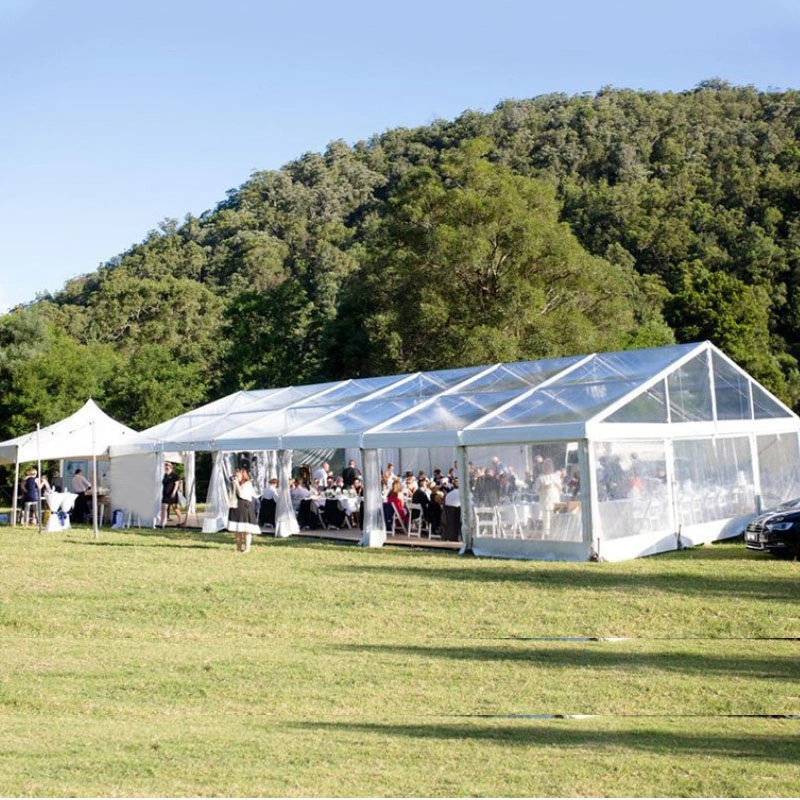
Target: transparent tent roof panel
x: 452, y: 412
x: 485, y: 398
x: 519, y: 376
x: 561, y: 403
x: 731, y: 390
x: 222, y: 410
x: 633, y: 365
x: 365, y: 415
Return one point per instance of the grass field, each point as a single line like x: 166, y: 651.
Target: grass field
x: 149, y: 663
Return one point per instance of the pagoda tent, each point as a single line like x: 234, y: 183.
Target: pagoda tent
x: 88, y: 434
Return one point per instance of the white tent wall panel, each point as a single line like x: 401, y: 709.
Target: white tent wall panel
x: 216, y: 515
x: 645, y: 544
x: 779, y: 468
x: 531, y: 549
x: 630, y: 479
x: 414, y: 459
x: 714, y: 479
x: 136, y: 482
x: 509, y: 523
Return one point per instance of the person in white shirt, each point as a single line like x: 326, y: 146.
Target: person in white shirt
x: 301, y: 502
x: 80, y: 486
x: 299, y: 492
x: 548, y: 487
x: 452, y: 504
x: 453, y: 497
x: 321, y: 474
x: 242, y: 519
x: 271, y: 490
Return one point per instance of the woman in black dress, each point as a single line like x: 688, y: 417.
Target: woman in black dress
x: 170, y: 484
x: 242, y: 518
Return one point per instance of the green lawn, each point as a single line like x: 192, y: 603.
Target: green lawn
x: 163, y: 663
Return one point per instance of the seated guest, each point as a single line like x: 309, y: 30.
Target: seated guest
x: 435, y: 510
x: 395, y: 498
x: 422, y: 497
x: 269, y: 504
x: 301, y: 500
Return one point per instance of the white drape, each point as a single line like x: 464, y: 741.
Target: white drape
x: 285, y: 519
x: 216, y: 516
x: 189, y: 480
x: 374, y: 533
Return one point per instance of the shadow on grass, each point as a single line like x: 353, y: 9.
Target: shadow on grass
x: 778, y: 748
x: 176, y: 537
x: 602, y: 578
x: 599, y: 656
x: 178, y: 546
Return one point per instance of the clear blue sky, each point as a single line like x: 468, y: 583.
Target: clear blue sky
x: 116, y: 114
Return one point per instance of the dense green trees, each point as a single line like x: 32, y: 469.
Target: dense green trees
x: 471, y: 265
x: 549, y: 226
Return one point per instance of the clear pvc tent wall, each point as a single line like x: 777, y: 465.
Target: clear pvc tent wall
x: 654, y: 448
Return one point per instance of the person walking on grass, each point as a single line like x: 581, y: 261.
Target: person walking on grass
x: 242, y: 517
x: 170, y: 484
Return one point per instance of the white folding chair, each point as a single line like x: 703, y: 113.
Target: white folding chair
x: 508, y: 524
x: 417, y: 524
x: 397, y: 522
x: 485, y: 521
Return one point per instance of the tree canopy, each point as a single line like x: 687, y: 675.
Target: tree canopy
x: 549, y: 226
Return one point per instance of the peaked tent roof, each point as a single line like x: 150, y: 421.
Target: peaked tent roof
x: 558, y: 398
x: 88, y: 432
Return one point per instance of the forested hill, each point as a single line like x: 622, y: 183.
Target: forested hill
x: 550, y: 226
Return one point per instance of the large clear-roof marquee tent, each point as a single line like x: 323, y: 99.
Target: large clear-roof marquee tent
x: 663, y: 447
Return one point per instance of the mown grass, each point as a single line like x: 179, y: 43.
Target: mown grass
x: 150, y: 663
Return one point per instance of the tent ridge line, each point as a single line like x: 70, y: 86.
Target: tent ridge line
x: 425, y: 403
x: 611, y: 408
x: 527, y: 393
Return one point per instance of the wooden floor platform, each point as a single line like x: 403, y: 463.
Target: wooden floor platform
x: 348, y: 535
x: 353, y: 537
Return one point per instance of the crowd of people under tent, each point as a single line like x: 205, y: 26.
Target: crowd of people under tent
x: 323, y: 499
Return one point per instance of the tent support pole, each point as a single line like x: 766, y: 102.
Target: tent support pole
x: 15, y: 494
x: 94, y: 484
x: 38, y: 478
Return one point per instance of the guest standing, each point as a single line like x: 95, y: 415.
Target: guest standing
x: 80, y: 486
x: 242, y: 520
x: 170, y: 484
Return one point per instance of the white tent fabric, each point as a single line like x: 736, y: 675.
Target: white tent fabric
x: 666, y: 446
x: 216, y: 516
x: 88, y: 432
x: 136, y: 479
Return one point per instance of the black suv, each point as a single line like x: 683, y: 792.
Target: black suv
x: 777, y: 531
